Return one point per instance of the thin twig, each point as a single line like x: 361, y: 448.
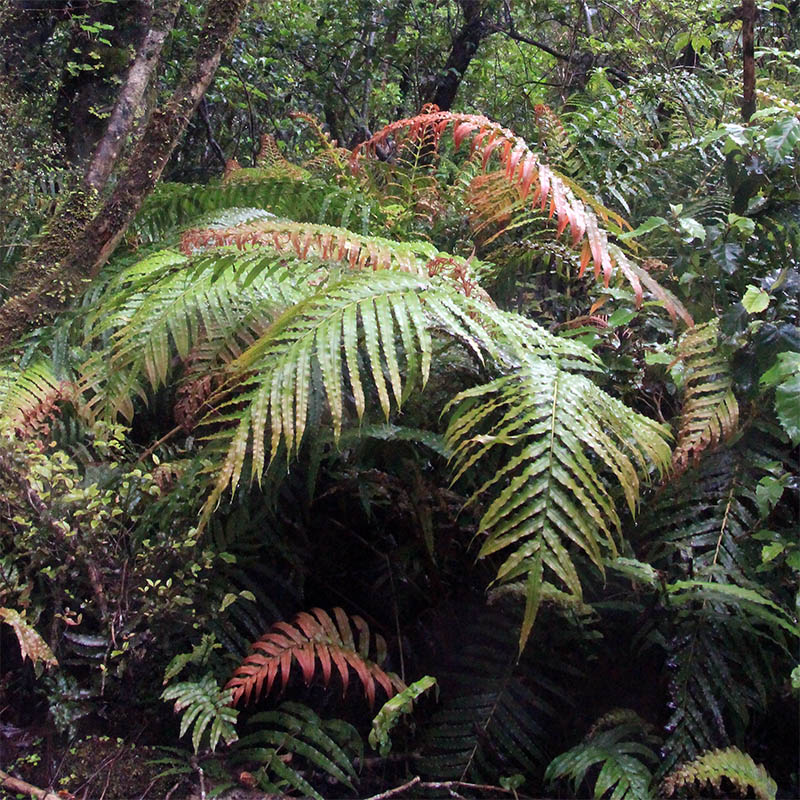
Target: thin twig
x: 450, y: 786
x: 397, y: 789
x: 209, y: 132
x: 157, y: 444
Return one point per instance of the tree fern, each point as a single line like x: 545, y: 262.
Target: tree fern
x: 309, y: 345
x: 547, y: 495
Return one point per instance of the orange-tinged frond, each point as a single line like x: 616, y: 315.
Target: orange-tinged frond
x: 710, y: 413
x: 531, y: 181
x: 313, y: 638
x: 304, y: 239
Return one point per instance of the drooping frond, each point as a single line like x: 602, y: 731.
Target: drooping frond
x: 623, y: 744
x: 310, y: 638
x: 710, y: 413
x: 173, y: 206
x: 711, y: 768
x: 705, y: 517
x: 164, y: 306
x: 557, y: 437
x: 499, y: 212
x: 539, y: 186
x: 377, y: 330
x: 320, y: 241
x: 323, y: 745
x: 309, y: 347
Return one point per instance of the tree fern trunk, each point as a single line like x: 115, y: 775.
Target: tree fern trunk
x: 749, y: 14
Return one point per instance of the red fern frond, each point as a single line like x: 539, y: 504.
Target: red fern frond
x: 304, y: 239
x: 318, y: 645
x: 538, y: 185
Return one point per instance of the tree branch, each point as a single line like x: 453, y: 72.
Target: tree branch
x: 518, y: 37
x: 130, y: 97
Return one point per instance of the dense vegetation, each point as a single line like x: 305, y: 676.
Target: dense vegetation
x: 411, y: 411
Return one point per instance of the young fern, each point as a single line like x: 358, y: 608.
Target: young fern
x: 204, y: 704
x: 623, y: 743
x: 327, y: 746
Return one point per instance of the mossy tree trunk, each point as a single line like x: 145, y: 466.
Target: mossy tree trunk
x: 86, y: 231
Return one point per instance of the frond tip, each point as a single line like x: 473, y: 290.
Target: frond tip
x: 309, y: 638
x: 711, y: 767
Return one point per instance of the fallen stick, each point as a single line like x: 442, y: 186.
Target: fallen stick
x: 17, y: 785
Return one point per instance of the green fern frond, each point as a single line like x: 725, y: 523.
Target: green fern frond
x: 203, y: 703
x: 494, y: 712
x: 309, y: 638
x: 28, y: 395
x: 164, y: 306
x: 705, y: 518
x: 172, y: 206
x: 355, y: 324
x: 710, y: 768
x: 718, y: 676
x: 621, y: 742
x: 295, y: 730
x: 547, y: 494
x: 710, y: 413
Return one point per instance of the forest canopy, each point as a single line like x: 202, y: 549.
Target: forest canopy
x: 399, y: 399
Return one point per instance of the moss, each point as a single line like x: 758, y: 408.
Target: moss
x: 51, y: 246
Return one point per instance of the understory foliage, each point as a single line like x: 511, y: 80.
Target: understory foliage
x: 386, y: 381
